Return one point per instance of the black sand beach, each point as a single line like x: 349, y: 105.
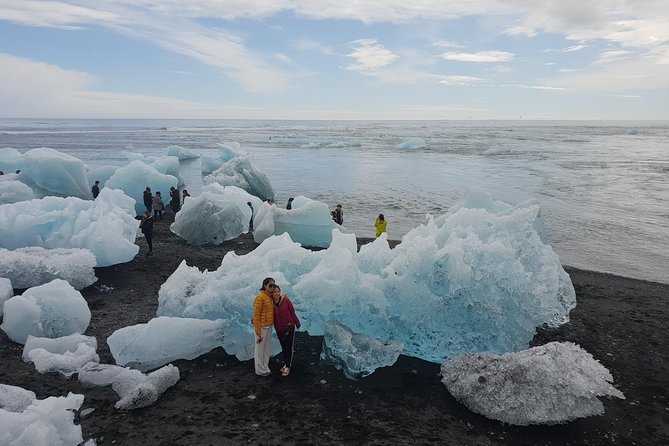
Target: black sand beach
x: 622, y: 322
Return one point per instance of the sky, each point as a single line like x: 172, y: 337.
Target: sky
x: 326, y: 59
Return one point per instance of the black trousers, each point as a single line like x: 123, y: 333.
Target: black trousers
x: 149, y: 241
x: 287, y: 341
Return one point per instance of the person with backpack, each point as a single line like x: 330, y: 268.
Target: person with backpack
x: 285, y: 324
x: 338, y: 215
x: 148, y: 199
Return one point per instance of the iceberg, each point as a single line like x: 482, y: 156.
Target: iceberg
x: 134, y: 178
x: 165, y: 339
x: 51, y: 310
x: 106, y: 226
x: 65, y: 355
x: 550, y: 384
x: 101, y: 174
x: 412, y: 144
x: 356, y: 354
x: 181, y: 152
x: 6, y: 292
x: 241, y: 172
x: 218, y: 214
x: 477, y: 279
x: 225, y: 154
x: 50, y: 172
x: 42, y: 423
x: 308, y: 222
x: 10, y: 159
x: 29, y: 267
x: 12, y: 190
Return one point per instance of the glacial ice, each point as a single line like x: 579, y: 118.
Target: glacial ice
x: 167, y: 165
x: 181, y: 152
x: 15, y: 399
x: 65, y: 355
x: 225, y: 154
x: 6, y: 291
x: 356, y: 354
x: 165, y: 339
x: 50, y: 172
x: 550, y: 384
x: 308, y: 222
x: 106, y: 226
x: 412, y: 144
x: 241, y: 172
x: 13, y: 190
x: 134, y: 178
x: 10, y: 159
x: 48, y: 422
x: 51, y: 310
x: 33, y: 266
x: 218, y: 214
x: 475, y: 279
x: 101, y: 174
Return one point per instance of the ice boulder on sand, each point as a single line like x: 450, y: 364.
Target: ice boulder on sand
x: 105, y: 226
x: 15, y: 399
x: 51, y: 310
x: 48, y: 422
x: 356, y: 354
x: 134, y: 178
x: 135, y: 388
x: 6, y: 291
x: 218, y: 214
x: 308, y: 222
x: 29, y: 267
x: 65, y: 355
x: 550, y: 384
x: 50, y: 172
x: 165, y: 339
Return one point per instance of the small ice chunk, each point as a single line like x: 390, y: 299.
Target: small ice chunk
x: 65, y: 355
x: 94, y: 374
x: 51, y: 310
x: 412, y: 144
x: 356, y: 354
x: 139, y: 390
x: 6, y: 291
x: 181, y: 152
x: 550, y: 384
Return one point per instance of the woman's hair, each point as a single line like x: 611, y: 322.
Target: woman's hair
x: 266, y: 281
x: 381, y: 217
x: 277, y: 287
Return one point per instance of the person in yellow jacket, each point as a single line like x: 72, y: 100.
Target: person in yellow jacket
x: 380, y: 224
x: 263, y: 319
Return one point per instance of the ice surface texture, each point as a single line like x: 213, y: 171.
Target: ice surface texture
x: 6, y: 291
x: 65, y: 355
x: 29, y: 267
x: 165, y: 339
x: 15, y: 399
x: 51, y: 310
x: 218, y: 214
x: 308, y: 222
x: 134, y: 178
x: 13, y: 190
x: 478, y: 278
x: 356, y: 354
x: 553, y: 383
x: 48, y: 422
x: 105, y: 226
x: 238, y: 170
x: 181, y: 152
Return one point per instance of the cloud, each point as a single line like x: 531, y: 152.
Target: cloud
x: 481, y: 56
x: 308, y: 45
x: 446, y: 44
x: 460, y: 80
x: 569, y: 49
x: 522, y: 31
x: 369, y: 56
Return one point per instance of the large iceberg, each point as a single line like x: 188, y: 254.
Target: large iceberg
x: 356, y: 354
x: 101, y: 174
x: 476, y: 279
x: 29, y: 267
x: 165, y: 339
x: 134, y: 178
x: 46, y: 422
x: 218, y: 214
x: 241, y: 172
x: 181, y: 152
x: 50, y: 172
x: 225, y: 154
x: 308, y: 222
x: 13, y: 190
x: 51, y: 310
x: 106, y: 226
x: 550, y: 384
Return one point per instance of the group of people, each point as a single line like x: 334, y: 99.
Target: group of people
x: 338, y: 216
x: 273, y: 309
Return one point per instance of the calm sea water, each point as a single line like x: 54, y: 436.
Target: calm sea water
x: 603, y: 186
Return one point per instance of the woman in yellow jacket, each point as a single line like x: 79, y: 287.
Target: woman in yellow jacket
x: 263, y: 319
x: 380, y: 224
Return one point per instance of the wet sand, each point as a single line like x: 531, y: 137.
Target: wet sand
x: 622, y: 322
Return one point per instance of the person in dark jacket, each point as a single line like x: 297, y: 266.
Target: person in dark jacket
x: 175, y: 199
x: 289, y: 206
x: 285, y: 324
x: 338, y: 215
x: 147, y: 229
x: 148, y: 199
x: 95, y: 190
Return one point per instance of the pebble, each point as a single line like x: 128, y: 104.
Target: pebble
x: 251, y: 397
x: 86, y: 412
x: 323, y: 381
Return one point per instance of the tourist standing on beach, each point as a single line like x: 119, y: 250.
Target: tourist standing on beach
x: 250, y: 221
x: 338, y: 215
x: 158, y: 206
x: 148, y: 199
x: 147, y: 229
x: 263, y: 319
x: 380, y: 224
x: 285, y: 324
x: 185, y: 194
x: 175, y: 200
x: 95, y: 190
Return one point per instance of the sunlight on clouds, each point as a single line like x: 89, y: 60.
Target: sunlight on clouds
x: 481, y: 56
x: 461, y: 80
x: 369, y: 56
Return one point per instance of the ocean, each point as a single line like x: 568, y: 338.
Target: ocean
x: 603, y: 186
